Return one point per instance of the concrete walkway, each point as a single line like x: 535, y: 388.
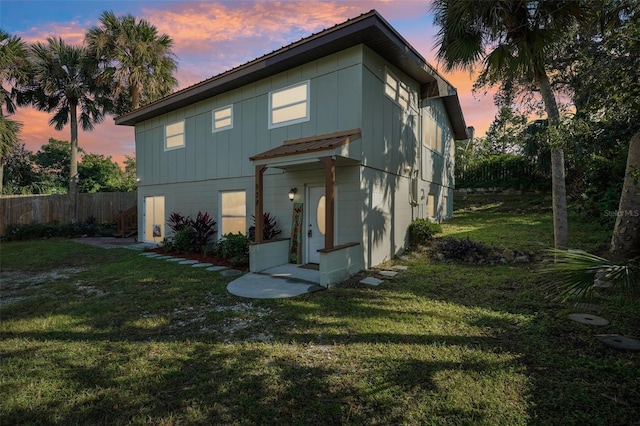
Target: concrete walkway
x: 278, y: 282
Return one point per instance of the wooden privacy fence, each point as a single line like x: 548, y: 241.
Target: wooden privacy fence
x: 22, y: 209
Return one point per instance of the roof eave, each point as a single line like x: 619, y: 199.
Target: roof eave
x: 369, y: 29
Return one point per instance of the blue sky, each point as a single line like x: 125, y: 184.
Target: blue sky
x: 211, y: 37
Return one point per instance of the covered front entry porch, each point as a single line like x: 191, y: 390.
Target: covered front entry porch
x: 336, y: 262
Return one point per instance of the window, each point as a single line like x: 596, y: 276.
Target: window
x: 223, y: 118
x: 233, y: 212
x: 289, y: 105
x: 431, y: 206
x: 174, y: 135
x: 430, y: 130
x: 396, y: 90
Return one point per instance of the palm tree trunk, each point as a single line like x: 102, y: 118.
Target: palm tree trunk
x: 558, y: 188
x: 625, y: 242
x: 135, y: 96
x: 73, y: 175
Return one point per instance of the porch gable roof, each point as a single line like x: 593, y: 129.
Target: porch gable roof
x: 309, y: 145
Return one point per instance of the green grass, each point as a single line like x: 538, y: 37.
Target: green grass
x: 94, y: 336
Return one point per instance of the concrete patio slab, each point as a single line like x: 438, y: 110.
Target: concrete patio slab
x: 389, y: 274
x: 278, y: 282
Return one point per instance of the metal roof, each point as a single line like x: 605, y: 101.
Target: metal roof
x: 310, y: 144
x: 369, y: 29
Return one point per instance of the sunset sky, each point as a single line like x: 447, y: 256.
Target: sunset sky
x: 211, y: 37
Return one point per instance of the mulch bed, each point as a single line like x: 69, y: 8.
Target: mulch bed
x: 199, y: 257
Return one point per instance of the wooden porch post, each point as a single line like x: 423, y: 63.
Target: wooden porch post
x: 329, y: 185
x: 259, y: 203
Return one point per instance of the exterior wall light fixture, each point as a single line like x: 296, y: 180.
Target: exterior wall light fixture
x: 292, y: 193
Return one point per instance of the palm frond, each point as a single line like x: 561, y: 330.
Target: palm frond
x: 572, y: 274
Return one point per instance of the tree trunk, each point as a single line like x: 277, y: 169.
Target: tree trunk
x: 73, y: 175
x: 625, y: 242
x: 135, y: 96
x: 558, y: 188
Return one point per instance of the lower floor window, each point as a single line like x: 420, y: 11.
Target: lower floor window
x: 233, y: 212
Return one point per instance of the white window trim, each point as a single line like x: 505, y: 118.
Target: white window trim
x: 307, y: 117
x: 184, y: 142
x: 410, y: 101
x: 213, y: 119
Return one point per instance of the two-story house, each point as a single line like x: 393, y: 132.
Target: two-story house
x: 351, y: 123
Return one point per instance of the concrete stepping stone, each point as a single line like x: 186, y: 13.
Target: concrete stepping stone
x: 175, y: 259
x: 389, y: 274
x: 371, y: 281
x: 617, y: 341
x: 400, y: 267
x: 590, y: 307
x: 202, y: 265
x: 150, y: 254
x: 216, y: 268
x: 188, y: 262
x: 589, y: 319
x: 230, y: 272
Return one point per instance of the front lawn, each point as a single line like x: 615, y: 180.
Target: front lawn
x: 95, y: 336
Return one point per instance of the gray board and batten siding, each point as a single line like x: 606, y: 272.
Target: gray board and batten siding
x: 400, y: 169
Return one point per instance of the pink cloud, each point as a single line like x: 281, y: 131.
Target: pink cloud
x: 212, y: 37
x: 71, y: 32
x: 106, y: 138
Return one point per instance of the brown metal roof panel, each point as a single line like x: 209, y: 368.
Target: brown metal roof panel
x: 311, y: 144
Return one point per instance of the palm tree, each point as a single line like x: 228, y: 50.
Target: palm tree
x: 62, y: 81
x: 13, y: 54
x: 511, y: 40
x: 136, y: 61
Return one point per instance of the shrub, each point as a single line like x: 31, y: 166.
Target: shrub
x: 200, y: 230
x: 422, y: 230
x: 33, y: 231
x: 183, y: 240
x: 452, y: 248
x: 204, y: 228
x: 178, y: 222
x: 269, y: 230
x: 233, y: 246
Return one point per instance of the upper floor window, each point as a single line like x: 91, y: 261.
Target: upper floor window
x: 396, y: 89
x: 223, y: 118
x: 289, y: 105
x: 174, y: 135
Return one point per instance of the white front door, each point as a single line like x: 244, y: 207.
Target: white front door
x: 153, y: 219
x: 315, y: 223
